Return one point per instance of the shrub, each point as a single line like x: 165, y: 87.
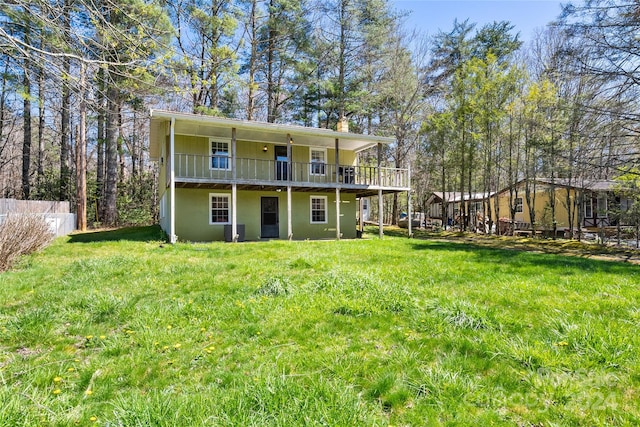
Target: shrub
x: 22, y: 234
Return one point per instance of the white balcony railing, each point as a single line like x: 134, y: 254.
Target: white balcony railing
x: 219, y: 169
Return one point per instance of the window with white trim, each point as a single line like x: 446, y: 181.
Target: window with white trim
x: 519, y: 204
x: 588, y: 207
x: 163, y: 206
x: 318, y: 160
x: 219, y: 155
x: 602, y: 206
x: 219, y: 208
x: 318, y: 209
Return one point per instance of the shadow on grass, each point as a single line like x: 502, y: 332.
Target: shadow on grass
x: 515, y: 252
x: 521, y: 256
x: 133, y: 234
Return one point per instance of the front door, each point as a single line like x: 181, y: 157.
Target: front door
x: 269, y: 213
x: 282, y: 163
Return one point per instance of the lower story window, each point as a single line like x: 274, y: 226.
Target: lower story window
x: 588, y: 208
x: 601, y: 204
x: 219, y: 208
x: 318, y: 209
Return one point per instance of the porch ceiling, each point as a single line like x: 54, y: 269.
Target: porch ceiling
x: 359, y: 192
x: 269, y: 133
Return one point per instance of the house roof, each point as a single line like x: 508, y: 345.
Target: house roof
x: 584, y: 184
x: 270, y: 133
x: 456, y: 196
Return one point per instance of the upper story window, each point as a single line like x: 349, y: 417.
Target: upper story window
x: 220, y: 155
x: 318, y: 161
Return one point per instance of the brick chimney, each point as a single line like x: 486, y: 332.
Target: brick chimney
x: 343, y: 125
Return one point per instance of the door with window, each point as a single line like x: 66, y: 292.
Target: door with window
x: 270, y: 224
x: 282, y: 163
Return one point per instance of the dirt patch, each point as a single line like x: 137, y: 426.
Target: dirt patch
x: 27, y: 352
x: 559, y: 247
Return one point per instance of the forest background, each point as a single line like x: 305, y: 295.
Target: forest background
x: 472, y: 109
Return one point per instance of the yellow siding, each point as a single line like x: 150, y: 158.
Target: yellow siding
x: 542, y: 207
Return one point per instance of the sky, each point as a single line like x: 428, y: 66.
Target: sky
x: 429, y: 16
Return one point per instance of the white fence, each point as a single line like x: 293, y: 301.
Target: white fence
x: 61, y: 221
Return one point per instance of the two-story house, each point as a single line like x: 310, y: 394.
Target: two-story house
x: 223, y: 179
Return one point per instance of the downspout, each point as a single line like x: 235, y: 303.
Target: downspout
x: 172, y: 182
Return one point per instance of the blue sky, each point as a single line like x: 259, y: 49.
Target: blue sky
x: 431, y: 15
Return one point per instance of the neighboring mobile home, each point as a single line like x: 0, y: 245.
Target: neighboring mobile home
x: 592, y: 203
x: 223, y: 179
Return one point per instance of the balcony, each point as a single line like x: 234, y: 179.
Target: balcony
x: 216, y: 171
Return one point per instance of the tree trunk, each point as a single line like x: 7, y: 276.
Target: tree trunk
x: 342, y: 58
x: 552, y: 196
x: 41, y: 80
x: 271, y: 86
x: 119, y: 138
x: 133, y: 149
x: 253, y: 25
x: 26, y: 142
x: 100, y: 141
x: 461, y: 212
x: 81, y: 156
x: 214, y: 84
x: 112, y: 130
x: 65, y: 136
x: 443, y: 177
x: 580, y: 207
x: 64, y: 126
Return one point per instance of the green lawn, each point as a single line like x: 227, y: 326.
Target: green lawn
x: 120, y: 329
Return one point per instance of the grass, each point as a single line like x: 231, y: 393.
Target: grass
x: 120, y: 329
x: 585, y: 248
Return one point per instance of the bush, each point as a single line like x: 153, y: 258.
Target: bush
x: 22, y: 234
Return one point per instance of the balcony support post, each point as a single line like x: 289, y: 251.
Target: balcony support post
x: 289, y: 224
x: 361, y: 209
x: 337, y: 146
x: 172, y: 182
x: 380, y: 201
x: 337, y: 158
x: 338, y: 233
x: 234, y: 189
